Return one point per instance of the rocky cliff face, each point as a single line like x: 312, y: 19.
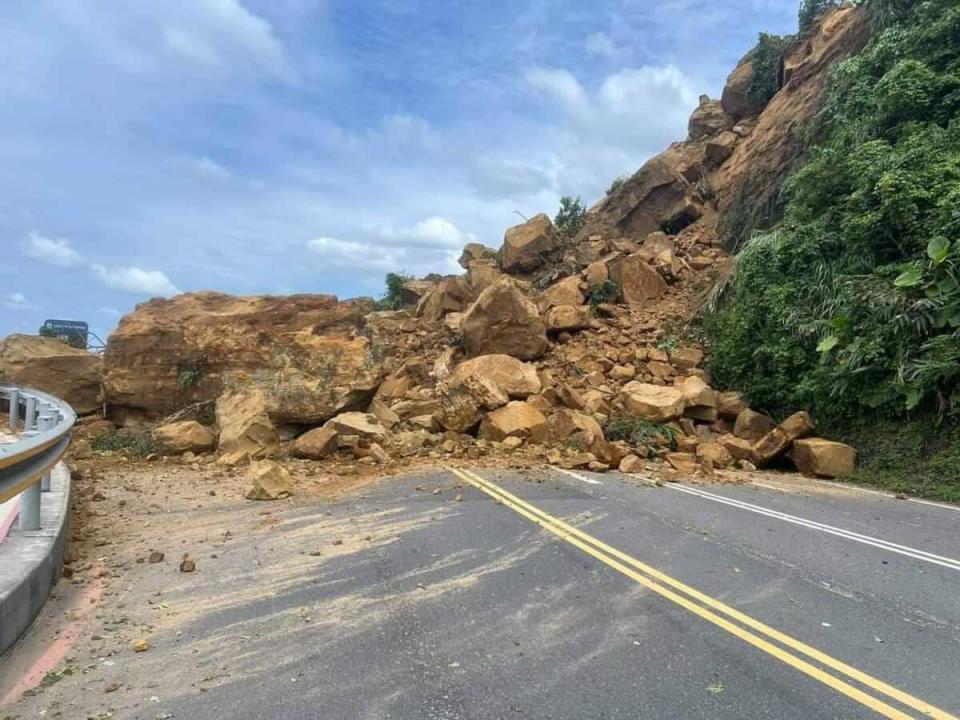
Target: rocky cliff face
x: 772, y: 139
x: 737, y: 149
x: 307, y: 353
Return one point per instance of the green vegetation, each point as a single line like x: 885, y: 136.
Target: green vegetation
x: 915, y: 457
x: 190, y: 371
x: 606, y: 292
x: 128, y: 442
x: 393, y: 297
x: 571, y: 216
x: 617, y: 184
x: 668, y: 343
x: 640, y: 432
x: 850, y: 305
x: 767, y: 55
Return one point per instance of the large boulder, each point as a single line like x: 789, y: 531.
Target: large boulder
x: 563, y: 292
x: 566, y: 423
x: 517, y: 419
x: 517, y: 379
x: 697, y: 393
x: 503, y: 320
x: 639, y: 283
x: 656, y: 403
x: 447, y: 296
x: 306, y: 353
x: 777, y: 441
x: 267, y: 481
x: 365, y: 426
x: 751, y: 425
x: 482, y: 274
x: 736, y: 100
x: 245, y: 427
x: 708, y: 119
x: 52, y: 366
x: 316, y: 444
x: 177, y: 438
x: 659, y: 196
x: 526, y: 246
x: 823, y: 458
x: 568, y: 317
x: 464, y: 398
x: 718, y: 149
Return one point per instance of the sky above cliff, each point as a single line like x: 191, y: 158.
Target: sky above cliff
x: 280, y: 146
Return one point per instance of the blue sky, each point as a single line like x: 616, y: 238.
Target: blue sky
x: 276, y: 146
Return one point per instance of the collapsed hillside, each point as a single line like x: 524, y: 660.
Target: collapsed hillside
x: 573, y: 350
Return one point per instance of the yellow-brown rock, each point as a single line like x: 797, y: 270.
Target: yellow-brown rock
x: 306, y: 353
x: 517, y: 419
x: 177, y: 438
x: 516, y: 378
x: 656, y: 403
x: 267, y: 481
x: 54, y: 367
x: 504, y: 321
x: 245, y: 427
x: 639, y: 283
x: 526, y: 246
x: 563, y: 292
x: 823, y: 458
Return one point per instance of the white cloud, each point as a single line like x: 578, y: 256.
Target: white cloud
x: 135, y: 280
x: 561, y: 85
x: 191, y: 47
x: 611, y: 129
x: 432, y: 232
x: 53, y: 251
x: 204, y: 168
x: 601, y: 44
x: 505, y: 178
x: 15, y: 301
x: 224, y: 35
x: 351, y: 254
x: 633, y: 102
x: 430, y: 245
x: 113, y: 312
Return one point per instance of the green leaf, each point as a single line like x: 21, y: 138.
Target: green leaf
x: 909, y: 278
x: 828, y: 343
x: 938, y: 249
x: 913, y: 398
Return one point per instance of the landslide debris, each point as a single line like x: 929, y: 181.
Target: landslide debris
x: 578, y: 351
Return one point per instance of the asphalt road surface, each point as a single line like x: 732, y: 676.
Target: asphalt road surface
x: 491, y: 594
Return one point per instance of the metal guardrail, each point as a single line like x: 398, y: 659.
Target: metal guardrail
x: 42, y: 423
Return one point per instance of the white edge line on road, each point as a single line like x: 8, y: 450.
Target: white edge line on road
x: 946, y: 562
x: 891, y: 496
x: 577, y: 476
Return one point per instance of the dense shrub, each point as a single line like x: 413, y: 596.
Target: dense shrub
x: 851, y: 304
x: 765, y: 80
x: 393, y: 297
x: 571, y: 216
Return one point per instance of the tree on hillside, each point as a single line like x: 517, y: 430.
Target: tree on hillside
x: 571, y: 216
x: 810, y: 10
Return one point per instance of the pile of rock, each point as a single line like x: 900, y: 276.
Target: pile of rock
x: 537, y: 348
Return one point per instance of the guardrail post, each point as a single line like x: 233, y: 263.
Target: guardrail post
x: 14, y: 409
x: 30, y: 508
x: 46, y: 422
x: 30, y: 416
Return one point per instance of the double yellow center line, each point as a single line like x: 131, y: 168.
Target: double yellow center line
x: 733, y: 621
